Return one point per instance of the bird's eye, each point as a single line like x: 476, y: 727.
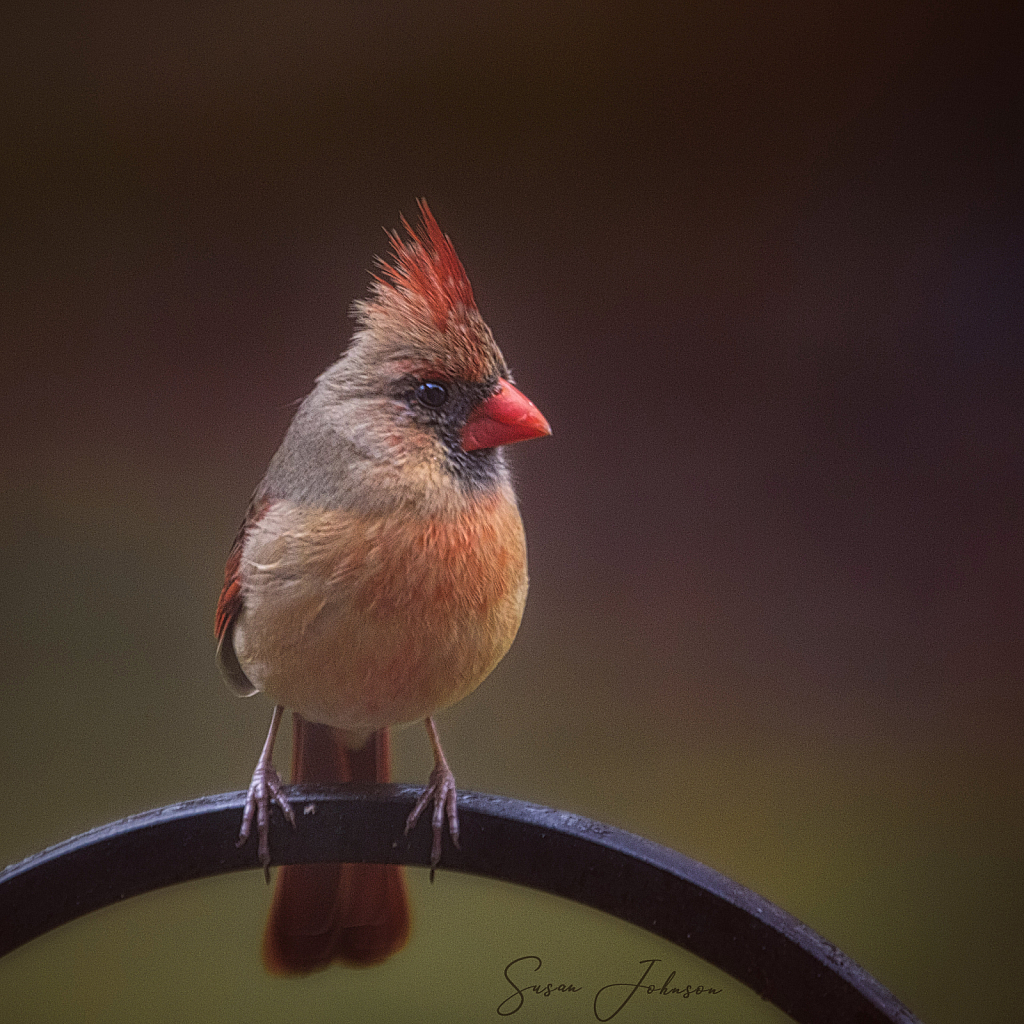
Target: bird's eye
x: 431, y: 394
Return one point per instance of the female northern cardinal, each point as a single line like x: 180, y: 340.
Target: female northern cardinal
x: 379, y: 575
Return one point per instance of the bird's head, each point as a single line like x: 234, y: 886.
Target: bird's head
x: 424, y: 387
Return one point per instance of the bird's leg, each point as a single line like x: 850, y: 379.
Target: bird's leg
x: 441, y: 789
x: 264, y: 789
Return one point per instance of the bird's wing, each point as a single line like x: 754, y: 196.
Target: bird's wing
x: 230, y: 605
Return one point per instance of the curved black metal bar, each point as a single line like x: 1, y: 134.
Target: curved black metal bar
x: 582, y: 860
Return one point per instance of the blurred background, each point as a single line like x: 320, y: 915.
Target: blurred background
x: 761, y: 267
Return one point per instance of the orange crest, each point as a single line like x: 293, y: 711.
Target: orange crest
x: 427, y: 271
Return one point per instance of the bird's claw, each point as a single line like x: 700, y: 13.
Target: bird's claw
x: 440, y: 789
x: 264, y: 789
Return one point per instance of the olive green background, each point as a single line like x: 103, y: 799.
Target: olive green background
x: 760, y: 266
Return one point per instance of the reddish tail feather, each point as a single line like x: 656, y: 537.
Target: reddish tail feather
x: 357, y: 914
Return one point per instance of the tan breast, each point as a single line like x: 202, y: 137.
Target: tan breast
x: 362, y: 622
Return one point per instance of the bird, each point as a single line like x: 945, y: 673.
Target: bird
x: 379, y: 576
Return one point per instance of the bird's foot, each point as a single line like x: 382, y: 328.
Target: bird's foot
x: 440, y: 789
x: 264, y: 789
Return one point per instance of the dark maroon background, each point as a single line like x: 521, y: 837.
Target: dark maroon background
x: 759, y: 264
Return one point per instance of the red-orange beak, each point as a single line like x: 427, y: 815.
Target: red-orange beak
x: 503, y: 418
